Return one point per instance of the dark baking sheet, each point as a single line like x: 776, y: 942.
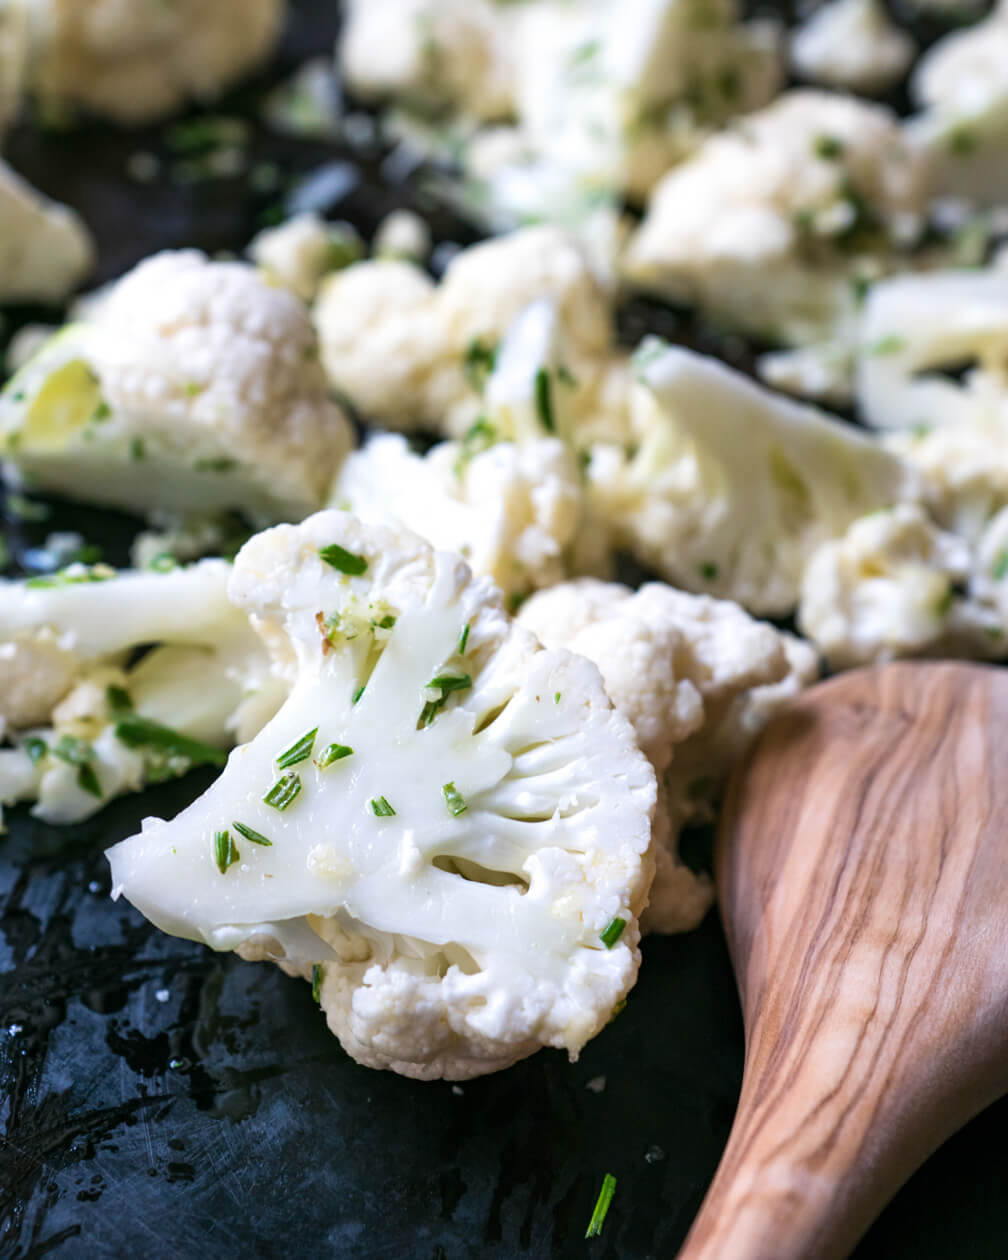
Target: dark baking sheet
x: 162, y: 1101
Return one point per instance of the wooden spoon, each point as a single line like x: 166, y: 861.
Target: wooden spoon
x: 862, y: 865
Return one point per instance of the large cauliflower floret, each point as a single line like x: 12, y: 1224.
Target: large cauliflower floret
x: 448, y: 821
x: 194, y: 385
x: 431, y: 54
x: 773, y: 222
x: 408, y: 353
x: 852, y: 44
x: 731, y: 488
x: 687, y: 671
x: 895, y: 585
x: 511, y: 510
x: 88, y: 722
x: 962, y: 84
x: 934, y: 351
x: 137, y: 62
x: 45, y: 248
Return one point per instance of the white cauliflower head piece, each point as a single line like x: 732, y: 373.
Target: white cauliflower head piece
x: 297, y: 254
x: 895, y: 585
x: 407, y: 352
x: 852, y: 44
x: 45, y: 248
x: 732, y: 488
x: 511, y: 510
x: 135, y: 63
x: 444, y: 816
x: 934, y: 351
x: 194, y: 385
x: 771, y: 221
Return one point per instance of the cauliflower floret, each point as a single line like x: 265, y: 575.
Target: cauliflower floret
x: 512, y: 510
x: 138, y: 62
x: 687, y: 671
x: 299, y: 253
x: 91, y: 723
x: 917, y: 334
x: 964, y: 472
x: 432, y: 54
x: 962, y: 85
x: 45, y: 248
x: 771, y: 224
x: 731, y: 488
x: 406, y: 352
x: 402, y: 234
x: 852, y: 44
x: 441, y: 822
x: 895, y: 585
x: 195, y: 385
x: 13, y: 61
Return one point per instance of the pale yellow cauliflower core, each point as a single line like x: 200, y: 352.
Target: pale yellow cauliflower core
x: 135, y: 62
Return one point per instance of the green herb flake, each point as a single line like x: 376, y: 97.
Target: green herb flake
x: 118, y: 701
x: 77, y: 575
x: 381, y: 808
x: 74, y: 751
x: 225, y: 851
x: 343, y: 561
x: 36, y: 748
x: 613, y: 931
x: 299, y: 751
x: 829, y: 148
x: 88, y: 781
x: 163, y: 562
x: 451, y: 682
x: 944, y: 605
x: 1000, y: 568
x: 220, y: 464
x: 961, y: 141
x: 250, y: 833
x: 335, y: 752
x: 387, y: 622
x: 478, y: 362
x: 137, y: 449
x: 283, y: 792
x: 708, y: 571
x: 454, y: 800
x: 317, y: 976
x: 139, y: 732
x: 556, y: 696
x: 463, y: 639
x: 888, y: 345
x: 101, y: 412
x: 544, y: 400
x: 602, y: 1203
x: 358, y: 693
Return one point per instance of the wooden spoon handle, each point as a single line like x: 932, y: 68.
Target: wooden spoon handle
x: 862, y: 867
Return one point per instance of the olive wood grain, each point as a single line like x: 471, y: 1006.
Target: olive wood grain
x: 862, y: 864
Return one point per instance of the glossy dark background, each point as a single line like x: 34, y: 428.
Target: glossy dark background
x: 161, y: 1101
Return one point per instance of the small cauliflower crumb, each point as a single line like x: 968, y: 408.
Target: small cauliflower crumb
x: 852, y: 44
x: 298, y: 254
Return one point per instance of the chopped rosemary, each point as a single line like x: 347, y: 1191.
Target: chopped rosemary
x: 446, y: 683
x: 613, y: 931
x: 283, y: 792
x: 225, y: 851
x: 317, y: 976
x: 544, y: 400
x: 344, y: 561
x: 250, y: 833
x: 602, y: 1203
x: 463, y: 639
x: 454, y: 800
x: 36, y: 748
x: 381, y: 808
x: 139, y: 732
x: 335, y: 752
x: 299, y: 751
x: 118, y: 701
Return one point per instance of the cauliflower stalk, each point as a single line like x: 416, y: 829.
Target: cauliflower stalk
x: 449, y: 822
x: 731, y: 488
x: 193, y: 385
x: 775, y: 224
x: 86, y: 722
